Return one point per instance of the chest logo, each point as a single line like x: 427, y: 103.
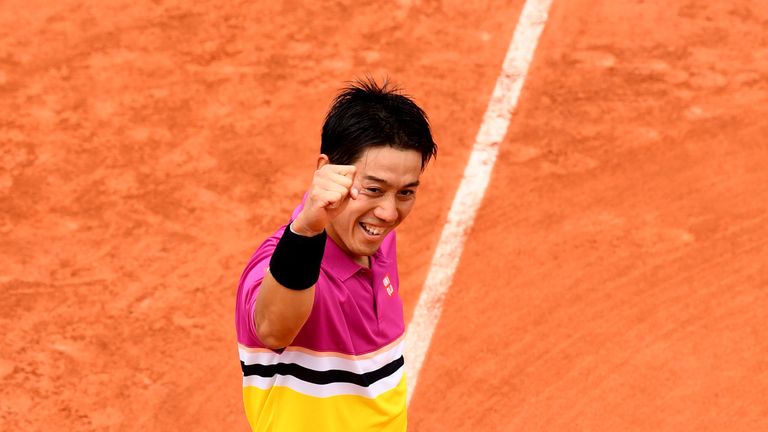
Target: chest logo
x: 388, y: 285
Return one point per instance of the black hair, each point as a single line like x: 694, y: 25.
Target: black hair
x: 366, y: 115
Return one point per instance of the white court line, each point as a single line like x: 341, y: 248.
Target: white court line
x: 472, y: 188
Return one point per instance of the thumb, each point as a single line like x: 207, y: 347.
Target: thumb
x: 354, y: 190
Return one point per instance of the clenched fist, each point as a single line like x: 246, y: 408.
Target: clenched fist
x: 332, y: 186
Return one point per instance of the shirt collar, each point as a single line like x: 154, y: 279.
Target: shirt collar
x: 337, y: 261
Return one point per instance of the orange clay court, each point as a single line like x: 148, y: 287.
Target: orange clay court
x: 615, y: 278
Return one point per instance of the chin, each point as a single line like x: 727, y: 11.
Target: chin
x: 365, y: 251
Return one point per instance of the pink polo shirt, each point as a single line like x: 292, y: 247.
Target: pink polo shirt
x: 344, y: 370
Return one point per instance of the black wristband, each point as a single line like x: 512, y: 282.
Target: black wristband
x: 295, y: 264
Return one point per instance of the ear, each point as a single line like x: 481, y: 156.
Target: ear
x: 322, y: 160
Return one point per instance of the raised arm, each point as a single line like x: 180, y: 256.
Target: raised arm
x: 287, y: 292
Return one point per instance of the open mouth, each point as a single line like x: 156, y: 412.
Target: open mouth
x: 371, y: 230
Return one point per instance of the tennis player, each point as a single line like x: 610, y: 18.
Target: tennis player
x: 319, y: 318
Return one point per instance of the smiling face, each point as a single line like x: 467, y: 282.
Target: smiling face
x: 387, y: 179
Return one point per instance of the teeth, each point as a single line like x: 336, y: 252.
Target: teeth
x: 371, y: 230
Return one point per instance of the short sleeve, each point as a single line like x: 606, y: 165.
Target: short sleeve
x: 248, y: 288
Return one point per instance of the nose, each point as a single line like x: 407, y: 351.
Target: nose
x: 386, y: 210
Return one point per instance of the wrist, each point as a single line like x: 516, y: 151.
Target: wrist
x: 298, y: 227
x: 295, y: 262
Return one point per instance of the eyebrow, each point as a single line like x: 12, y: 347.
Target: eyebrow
x: 386, y: 183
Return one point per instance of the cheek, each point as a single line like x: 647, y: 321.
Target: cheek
x: 352, y: 213
x: 404, y: 208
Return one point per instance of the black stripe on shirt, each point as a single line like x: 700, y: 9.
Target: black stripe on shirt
x: 322, y: 377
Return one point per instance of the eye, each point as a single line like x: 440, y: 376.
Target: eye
x: 373, y: 190
x: 407, y: 194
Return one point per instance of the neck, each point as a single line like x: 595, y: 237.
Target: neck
x: 362, y: 260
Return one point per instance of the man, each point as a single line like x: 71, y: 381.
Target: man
x: 319, y: 318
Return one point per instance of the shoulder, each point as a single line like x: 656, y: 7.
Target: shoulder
x: 256, y: 266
